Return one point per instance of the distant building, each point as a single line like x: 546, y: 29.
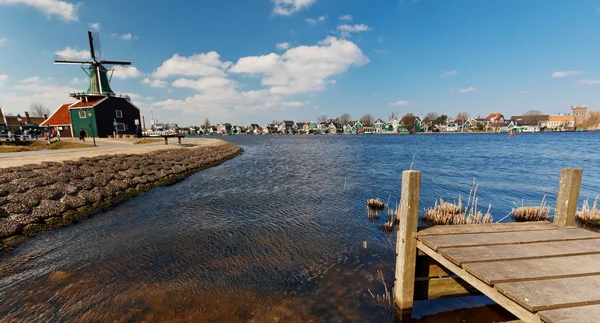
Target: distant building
x: 60, y: 120
x: 18, y: 123
x: 538, y: 120
x: 561, y: 122
x: 495, y: 117
x: 224, y: 128
x: 580, y: 113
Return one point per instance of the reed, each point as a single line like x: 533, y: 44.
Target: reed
x: 375, y: 204
x: 446, y: 213
x: 589, y: 216
x: 526, y: 213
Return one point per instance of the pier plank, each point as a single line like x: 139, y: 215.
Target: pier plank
x: 539, y: 295
x: 484, y: 288
x: 580, y: 314
x: 464, y: 255
x: 486, y: 228
x: 534, y: 269
x: 501, y: 238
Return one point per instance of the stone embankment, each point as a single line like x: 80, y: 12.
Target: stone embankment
x: 38, y: 198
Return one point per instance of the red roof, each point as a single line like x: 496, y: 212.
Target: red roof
x: 60, y: 117
x: 495, y: 116
x: 82, y: 104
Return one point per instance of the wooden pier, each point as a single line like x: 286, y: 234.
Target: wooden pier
x: 538, y: 271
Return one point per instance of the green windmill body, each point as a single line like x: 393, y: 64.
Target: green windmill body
x: 104, y: 80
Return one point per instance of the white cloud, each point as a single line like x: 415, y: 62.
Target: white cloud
x: 205, y: 64
x: 69, y: 52
x: 449, y: 73
x: 314, y: 21
x: 399, y: 103
x: 95, y: 25
x: 127, y: 36
x: 282, y: 46
x: 588, y: 82
x: 467, y: 90
x: 346, y: 30
x: 34, y: 79
x: 561, y: 74
x: 346, y: 17
x: 76, y: 80
x: 154, y: 82
x: 523, y: 92
x: 380, y: 51
x: 49, y: 94
x: 3, y: 41
x: 302, y: 69
x: 288, y: 7
x: 125, y: 72
x: 3, y: 78
x: 62, y: 9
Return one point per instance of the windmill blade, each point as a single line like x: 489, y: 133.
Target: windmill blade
x: 92, y: 50
x: 97, y: 48
x: 115, y: 63
x: 67, y: 60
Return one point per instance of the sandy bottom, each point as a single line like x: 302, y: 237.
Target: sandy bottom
x: 67, y: 154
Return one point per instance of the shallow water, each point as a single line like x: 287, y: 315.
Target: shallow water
x: 273, y: 235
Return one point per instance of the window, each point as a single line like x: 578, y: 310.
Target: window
x: 82, y: 114
x: 119, y: 113
x: 121, y: 126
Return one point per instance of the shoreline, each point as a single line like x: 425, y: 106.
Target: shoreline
x: 36, y: 199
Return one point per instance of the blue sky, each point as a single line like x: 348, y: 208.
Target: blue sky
x: 246, y: 61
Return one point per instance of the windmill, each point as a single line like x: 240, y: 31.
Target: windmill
x: 99, y: 82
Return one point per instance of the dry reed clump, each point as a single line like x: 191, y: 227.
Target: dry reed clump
x: 446, y: 213
x: 531, y: 213
x: 589, y: 216
x: 375, y: 204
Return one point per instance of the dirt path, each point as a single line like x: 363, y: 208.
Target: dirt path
x: 37, y: 157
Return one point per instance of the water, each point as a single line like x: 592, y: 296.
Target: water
x: 272, y: 235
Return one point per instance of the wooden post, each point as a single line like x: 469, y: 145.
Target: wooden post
x: 166, y: 140
x: 406, y: 245
x: 568, y: 197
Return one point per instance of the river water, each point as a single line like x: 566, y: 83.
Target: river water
x: 276, y: 234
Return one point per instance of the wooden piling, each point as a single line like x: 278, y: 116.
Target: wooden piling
x: 406, y: 245
x: 568, y: 196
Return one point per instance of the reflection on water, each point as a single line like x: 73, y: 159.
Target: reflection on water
x: 272, y: 235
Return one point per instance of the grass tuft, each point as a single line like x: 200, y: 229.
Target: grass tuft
x: 525, y: 213
x: 446, y: 213
x: 589, y: 216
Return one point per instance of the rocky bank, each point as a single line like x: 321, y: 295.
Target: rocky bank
x: 38, y: 198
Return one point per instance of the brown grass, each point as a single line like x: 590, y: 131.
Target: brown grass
x: 525, y: 213
x: 446, y: 213
x: 42, y: 144
x: 146, y: 141
x: 375, y: 204
x: 589, y: 216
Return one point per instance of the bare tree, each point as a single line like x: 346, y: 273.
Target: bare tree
x: 592, y: 122
x: 431, y: 116
x: 462, y: 116
x: 393, y: 116
x: 323, y: 118
x: 533, y: 113
x: 206, y: 123
x: 37, y: 109
x: 275, y: 122
x: 345, y: 119
x: 366, y: 120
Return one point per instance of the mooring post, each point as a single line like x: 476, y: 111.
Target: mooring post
x: 568, y: 197
x: 406, y: 245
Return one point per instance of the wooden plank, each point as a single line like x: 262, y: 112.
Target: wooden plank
x: 465, y: 255
x: 540, y: 295
x: 427, y: 267
x: 535, y: 269
x: 502, y: 238
x: 435, y: 288
x: 406, y: 243
x: 486, y: 228
x: 580, y: 314
x: 484, y: 288
x: 568, y: 196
